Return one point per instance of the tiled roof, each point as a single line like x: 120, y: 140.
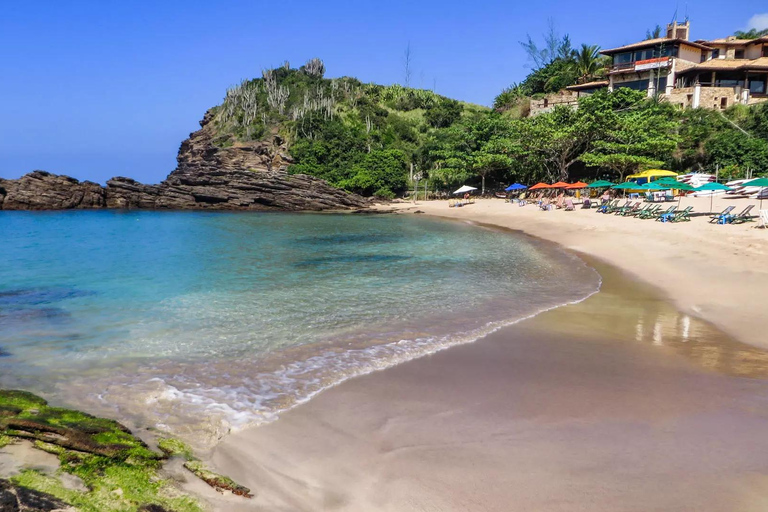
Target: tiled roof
x: 733, y: 42
x: 729, y: 65
x: 654, y: 42
x: 588, y: 85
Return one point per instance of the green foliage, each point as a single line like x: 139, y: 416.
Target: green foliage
x: 379, y: 171
x: 443, y: 114
x: 751, y: 34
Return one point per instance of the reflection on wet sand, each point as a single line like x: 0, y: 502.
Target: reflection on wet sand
x: 626, y: 310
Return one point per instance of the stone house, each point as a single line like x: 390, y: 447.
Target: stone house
x: 713, y: 74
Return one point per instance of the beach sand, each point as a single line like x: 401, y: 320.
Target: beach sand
x: 718, y: 272
x: 624, y: 401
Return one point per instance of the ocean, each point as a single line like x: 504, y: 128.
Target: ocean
x: 199, y: 323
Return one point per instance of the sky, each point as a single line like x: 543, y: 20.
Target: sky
x: 96, y: 89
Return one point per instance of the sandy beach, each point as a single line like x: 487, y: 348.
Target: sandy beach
x: 714, y: 271
x: 625, y: 401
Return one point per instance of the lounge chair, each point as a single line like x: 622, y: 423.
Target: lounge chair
x: 587, y: 204
x: 682, y: 216
x: 650, y: 212
x: 666, y: 215
x: 569, y: 205
x: 626, y: 210
x: 719, y: 218
x: 741, y: 217
x: 617, y: 208
x: 763, y: 219
x: 603, y: 208
x: 640, y: 211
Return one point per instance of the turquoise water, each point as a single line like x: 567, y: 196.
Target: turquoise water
x: 229, y: 318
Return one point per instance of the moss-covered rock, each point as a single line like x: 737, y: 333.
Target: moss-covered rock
x: 176, y: 448
x: 118, y: 469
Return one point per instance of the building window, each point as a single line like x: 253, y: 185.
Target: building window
x: 765, y: 51
x: 739, y: 54
x: 723, y: 103
x: 716, y: 53
x: 757, y: 86
x: 637, y: 85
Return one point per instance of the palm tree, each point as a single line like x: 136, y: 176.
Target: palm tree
x: 751, y: 34
x: 588, y: 61
x: 654, y: 33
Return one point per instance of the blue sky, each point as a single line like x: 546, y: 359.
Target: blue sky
x: 101, y: 89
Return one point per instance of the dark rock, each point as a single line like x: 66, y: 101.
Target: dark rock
x: 40, y: 190
x: 245, y: 176
x: 153, y: 508
x: 17, y: 499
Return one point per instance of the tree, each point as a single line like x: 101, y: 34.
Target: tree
x: 751, y: 34
x: 588, y: 61
x: 638, y: 133
x: 408, y: 62
x: 443, y: 113
x: 653, y: 33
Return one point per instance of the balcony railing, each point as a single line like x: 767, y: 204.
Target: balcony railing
x: 623, y: 67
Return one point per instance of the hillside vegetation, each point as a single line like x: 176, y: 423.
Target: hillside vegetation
x: 369, y: 138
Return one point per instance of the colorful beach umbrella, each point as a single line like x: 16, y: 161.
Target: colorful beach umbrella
x: 578, y: 184
x: 712, y: 186
x: 515, y: 186
x: 539, y: 186
x: 759, y: 182
x: 601, y: 184
x: 559, y: 184
x: 626, y: 185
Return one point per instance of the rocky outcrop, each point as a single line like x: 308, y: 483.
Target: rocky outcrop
x: 18, y: 499
x: 40, y: 190
x: 250, y: 176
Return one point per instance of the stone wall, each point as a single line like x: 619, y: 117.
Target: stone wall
x: 548, y: 103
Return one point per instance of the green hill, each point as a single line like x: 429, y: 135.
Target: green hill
x: 365, y: 138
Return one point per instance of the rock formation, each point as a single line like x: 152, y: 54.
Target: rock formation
x: 249, y: 176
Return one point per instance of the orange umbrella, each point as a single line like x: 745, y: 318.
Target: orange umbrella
x: 539, y: 186
x: 578, y: 184
x: 559, y: 184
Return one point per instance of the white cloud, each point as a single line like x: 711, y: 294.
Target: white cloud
x: 758, y: 22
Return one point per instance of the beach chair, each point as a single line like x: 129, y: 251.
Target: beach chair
x: 569, y: 205
x: 743, y: 216
x: 587, y: 204
x: 666, y: 215
x: 720, y: 216
x: 617, y: 208
x: 763, y: 219
x: 650, y: 212
x: 628, y: 209
x: 682, y: 216
x: 639, y: 211
x: 604, y: 207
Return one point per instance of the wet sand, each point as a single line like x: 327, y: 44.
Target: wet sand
x: 618, y: 403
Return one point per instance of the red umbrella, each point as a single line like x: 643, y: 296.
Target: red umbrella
x: 578, y: 184
x: 539, y: 186
x: 559, y: 184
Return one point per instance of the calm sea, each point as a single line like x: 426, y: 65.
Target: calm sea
x: 215, y: 321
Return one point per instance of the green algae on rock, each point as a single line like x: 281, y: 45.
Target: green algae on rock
x: 176, y: 448
x: 120, y: 472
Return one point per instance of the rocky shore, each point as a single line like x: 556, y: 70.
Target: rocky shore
x: 250, y: 176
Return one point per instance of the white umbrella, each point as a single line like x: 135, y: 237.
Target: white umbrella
x: 463, y: 189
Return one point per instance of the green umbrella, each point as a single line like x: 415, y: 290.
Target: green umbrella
x: 712, y: 186
x: 759, y: 182
x: 600, y: 184
x: 625, y: 185
x: 677, y: 185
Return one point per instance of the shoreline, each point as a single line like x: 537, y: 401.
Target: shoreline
x: 713, y: 271
x: 618, y: 402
